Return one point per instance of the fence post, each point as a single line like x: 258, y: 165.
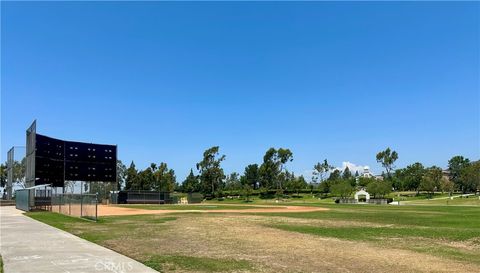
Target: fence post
x: 81, y: 205
x: 69, y: 206
x: 96, y: 207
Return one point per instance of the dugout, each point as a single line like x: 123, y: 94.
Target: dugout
x: 142, y: 197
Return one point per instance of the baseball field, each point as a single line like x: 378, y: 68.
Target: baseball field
x: 298, y: 237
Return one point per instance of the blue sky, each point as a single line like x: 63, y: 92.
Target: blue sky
x: 165, y: 81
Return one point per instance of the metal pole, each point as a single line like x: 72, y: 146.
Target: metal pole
x: 96, y: 206
x: 81, y: 198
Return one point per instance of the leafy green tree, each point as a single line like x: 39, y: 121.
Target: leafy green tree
x: 251, y: 176
x: 347, y: 174
x: 233, y: 182
x: 269, y: 171
x: 298, y: 183
x: 321, y: 169
x: 164, y: 179
x: 19, y: 168
x: 3, y: 175
x: 457, y: 165
x: 470, y: 177
x: 121, y: 175
x: 211, y: 173
x: 387, y: 158
x: 431, y: 180
x: 398, y: 179
x: 335, y: 175
x: 287, y: 180
x: 191, y: 183
x: 144, y: 180
x: 365, y: 181
x: 324, y: 187
x: 413, y: 176
x: 247, y: 191
x: 131, y: 177
x: 379, y: 188
x: 342, y: 189
x: 273, y: 164
x: 446, y: 185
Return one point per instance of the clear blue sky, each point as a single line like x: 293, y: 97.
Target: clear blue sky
x: 165, y: 81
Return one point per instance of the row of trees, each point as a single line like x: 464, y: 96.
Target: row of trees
x: 462, y: 175
x: 155, y: 177
x: 211, y: 178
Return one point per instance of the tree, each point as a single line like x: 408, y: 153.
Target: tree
x: 191, y: 183
x: 456, y: 165
x: 412, y: 176
x: 470, y: 177
x: 321, y: 169
x: 347, y: 174
x: 379, y: 188
x: 268, y: 171
x: 3, y: 175
x: 387, y: 158
x: 211, y: 173
x: 431, y: 179
x: 233, y: 182
x: 365, y: 181
x: 446, y: 185
x: 273, y: 164
x: 335, y: 175
x: 324, y: 187
x: 164, y: 178
x: 298, y: 183
x: 131, y: 177
x: 121, y: 175
x: 145, y: 179
x: 19, y: 172
x: 247, y: 191
x: 342, y: 189
x: 398, y: 179
x: 250, y: 176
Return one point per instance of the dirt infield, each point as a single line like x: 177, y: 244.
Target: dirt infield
x: 111, y: 210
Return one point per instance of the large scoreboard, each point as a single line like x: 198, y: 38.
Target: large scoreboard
x: 57, y: 161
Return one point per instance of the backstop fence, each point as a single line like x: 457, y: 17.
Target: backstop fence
x: 42, y: 198
x: 78, y: 205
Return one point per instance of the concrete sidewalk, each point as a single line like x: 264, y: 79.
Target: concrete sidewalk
x: 30, y: 246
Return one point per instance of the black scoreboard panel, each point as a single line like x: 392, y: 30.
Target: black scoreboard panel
x: 87, y: 152
x: 58, y: 160
x: 49, y: 147
x: 49, y: 171
x: 88, y: 171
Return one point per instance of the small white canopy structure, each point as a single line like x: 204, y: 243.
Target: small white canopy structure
x: 362, y: 192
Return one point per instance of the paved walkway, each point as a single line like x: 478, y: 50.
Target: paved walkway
x: 30, y: 246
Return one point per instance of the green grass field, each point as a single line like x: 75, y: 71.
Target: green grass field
x: 428, y: 238
x: 470, y: 201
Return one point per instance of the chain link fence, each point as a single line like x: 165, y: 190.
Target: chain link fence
x: 78, y: 205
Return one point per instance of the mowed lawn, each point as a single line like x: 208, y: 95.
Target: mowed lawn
x: 470, y: 201
x: 358, y: 238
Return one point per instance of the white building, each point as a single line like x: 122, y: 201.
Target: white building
x: 366, y: 172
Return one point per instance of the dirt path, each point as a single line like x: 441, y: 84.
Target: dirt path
x: 104, y: 210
